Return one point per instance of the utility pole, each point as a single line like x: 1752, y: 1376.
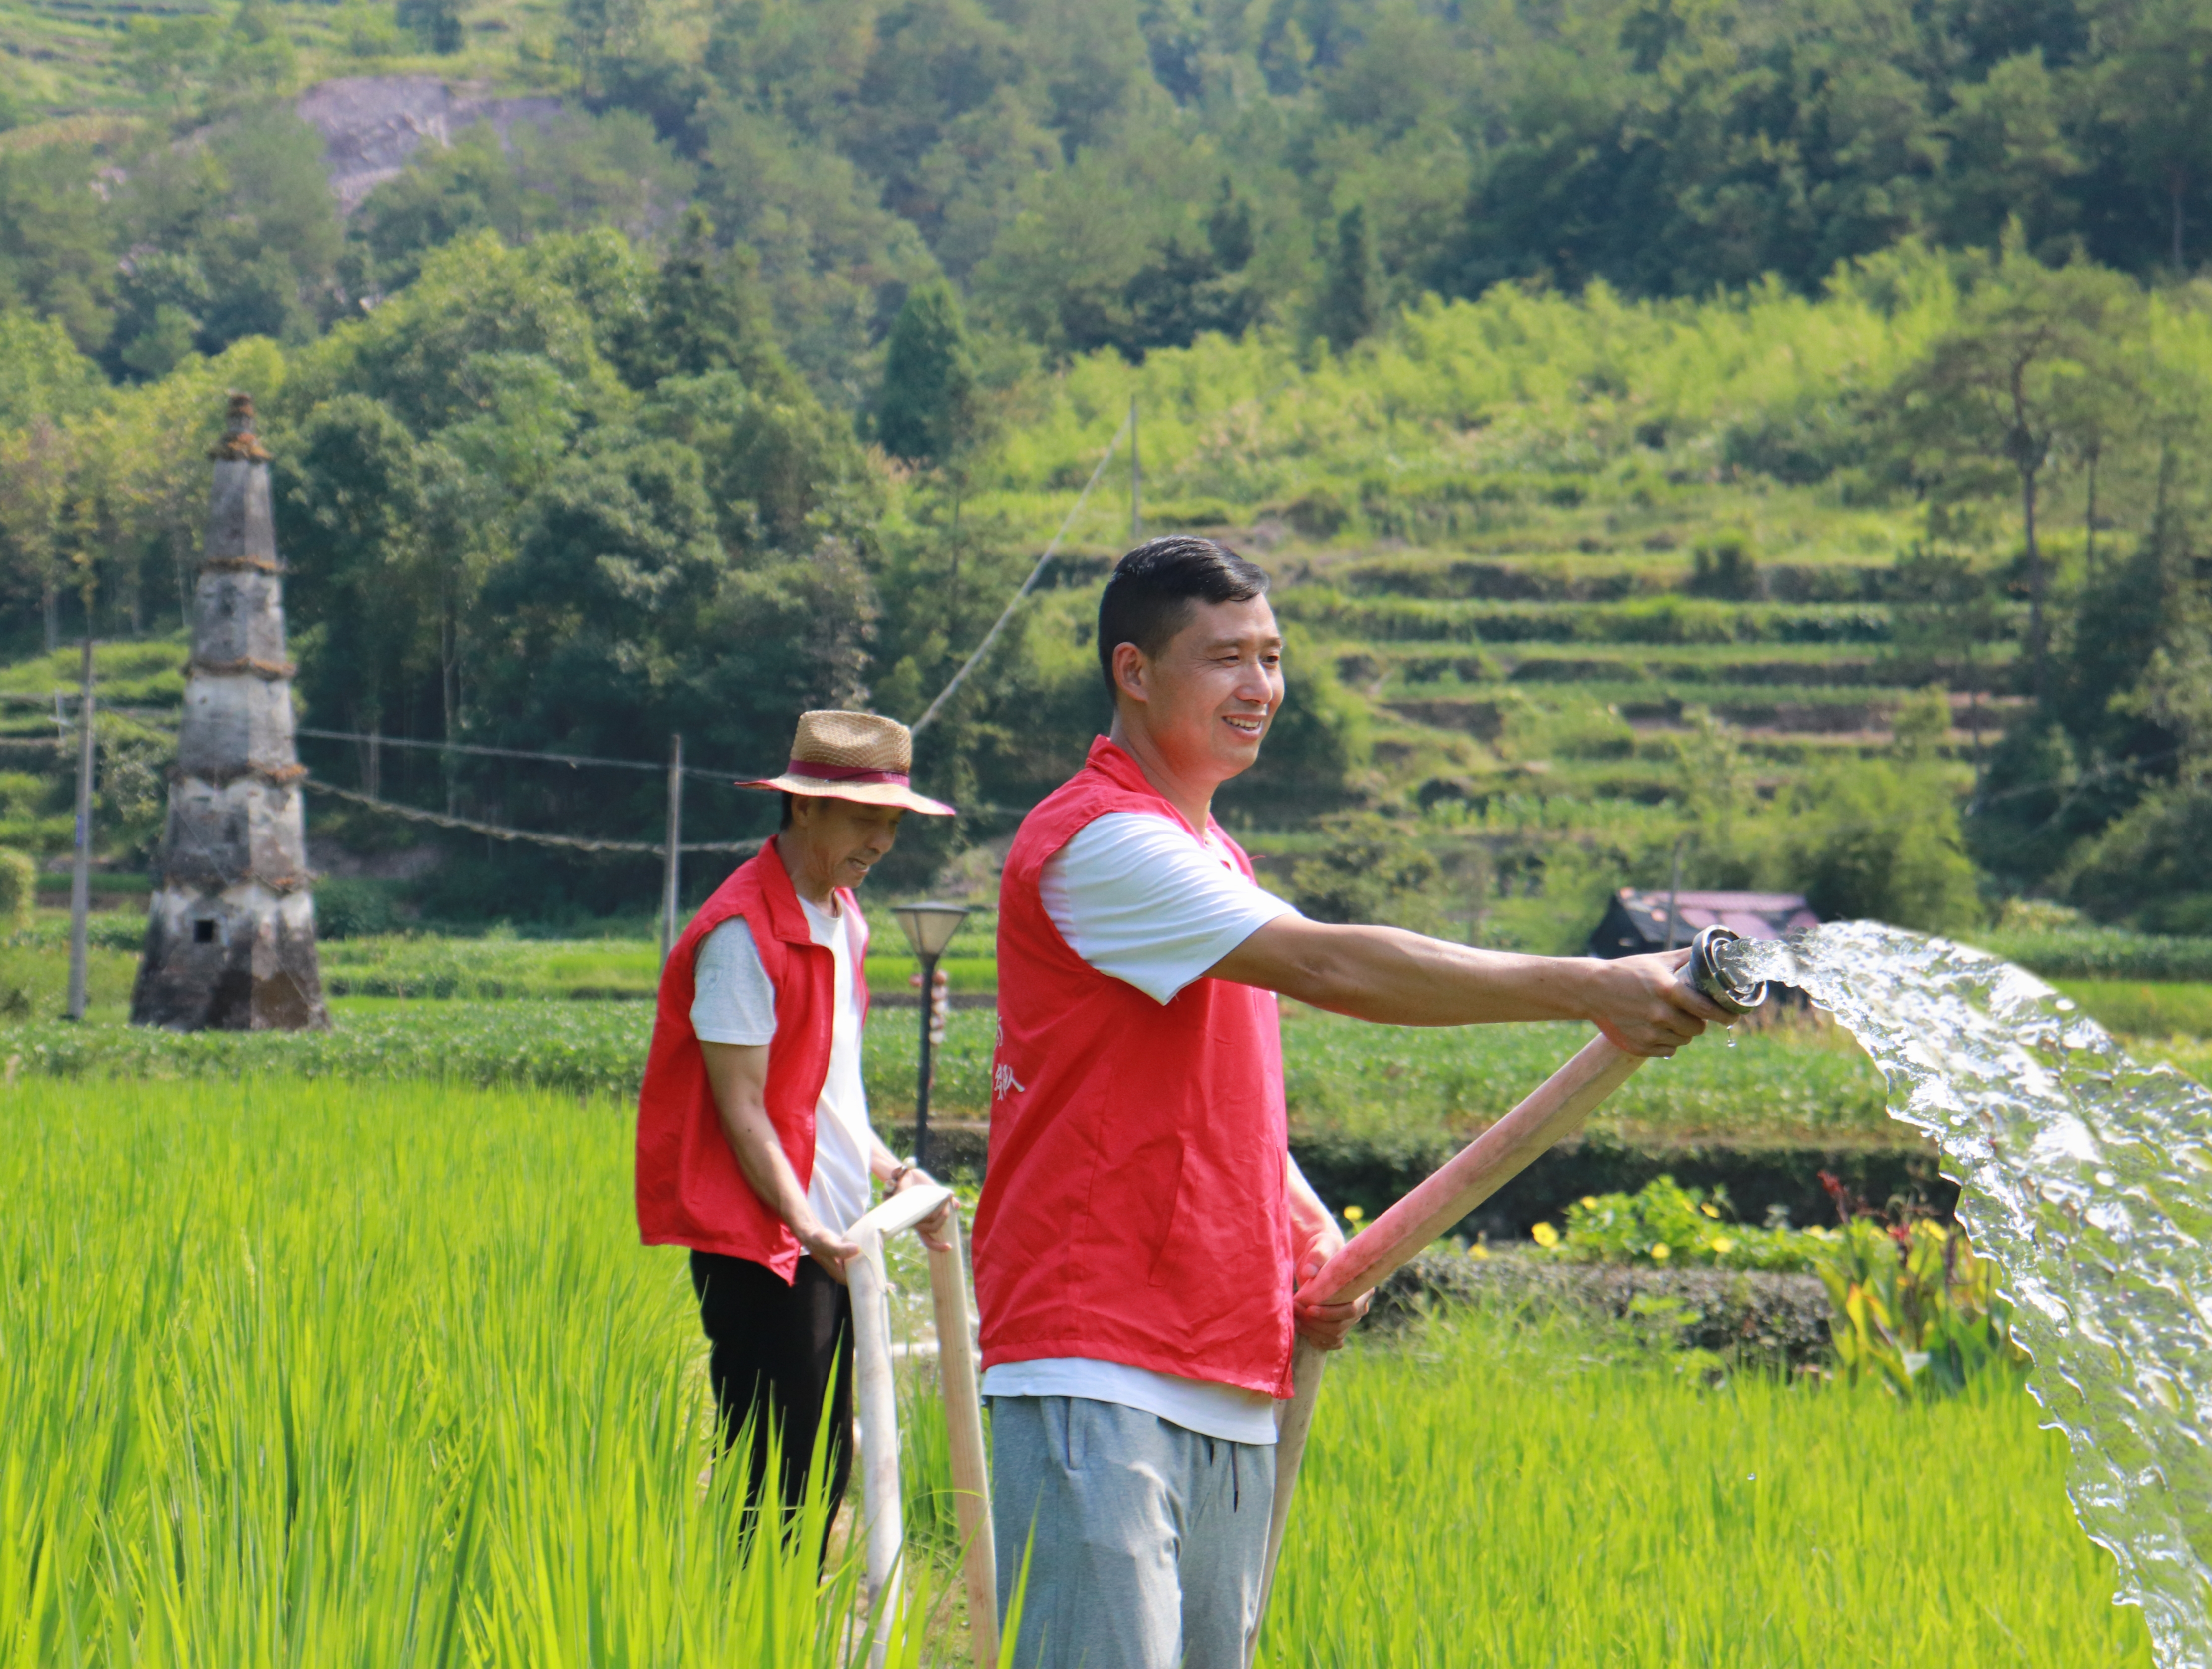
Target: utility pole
x: 1674, y: 893
x: 671, y: 874
x: 81, y: 877
x: 1136, y: 481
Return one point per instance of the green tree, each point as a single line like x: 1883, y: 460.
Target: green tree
x: 779, y: 468
x: 1372, y: 870
x: 57, y: 245
x: 436, y: 23
x: 2157, y: 90
x: 169, y: 57
x: 2001, y: 390
x: 1344, y: 311
x: 355, y: 501
x: 34, y: 466
x: 708, y: 313
x: 927, y: 410
x: 1869, y: 839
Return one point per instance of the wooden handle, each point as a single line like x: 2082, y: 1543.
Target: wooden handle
x: 1554, y: 1110
x: 964, y: 1424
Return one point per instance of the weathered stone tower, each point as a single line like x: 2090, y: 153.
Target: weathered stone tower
x: 230, y: 943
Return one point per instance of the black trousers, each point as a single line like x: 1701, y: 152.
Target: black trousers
x: 782, y: 1359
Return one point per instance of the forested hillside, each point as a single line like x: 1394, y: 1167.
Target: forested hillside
x: 1762, y: 438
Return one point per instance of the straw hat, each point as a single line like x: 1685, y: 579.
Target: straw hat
x: 855, y: 756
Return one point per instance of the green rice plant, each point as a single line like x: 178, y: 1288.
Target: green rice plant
x: 1398, y: 1085
x: 2144, y: 1008
x: 1385, y: 1090
x: 489, y: 968
x: 590, y: 1049
x: 1493, y: 1494
x: 2100, y: 953
x: 369, y: 1374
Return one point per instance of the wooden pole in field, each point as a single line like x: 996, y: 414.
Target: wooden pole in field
x: 1554, y: 1110
x: 964, y: 1423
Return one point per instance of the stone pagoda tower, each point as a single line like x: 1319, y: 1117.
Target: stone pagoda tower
x: 230, y: 943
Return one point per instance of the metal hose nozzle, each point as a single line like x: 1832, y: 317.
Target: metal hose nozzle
x: 1709, y: 972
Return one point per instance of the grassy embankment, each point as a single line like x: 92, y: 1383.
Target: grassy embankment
x: 378, y: 1372
x: 68, y: 70
x: 572, y: 1014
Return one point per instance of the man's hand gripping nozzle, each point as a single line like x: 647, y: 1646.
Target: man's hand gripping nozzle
x: 1553, y: 1111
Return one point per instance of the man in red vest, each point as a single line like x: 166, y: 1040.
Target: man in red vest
x: 1142, y: 1224
x: 753, y: 1142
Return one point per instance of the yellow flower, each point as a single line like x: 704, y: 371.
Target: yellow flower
x: 1544, y: 1234
x: 1478, y: 1250
x: 1588, y: 1202
x: 1354, y: 1215
x: 1661, y: 1252
x: 1722, y: 1244
x: 1712, y: 1211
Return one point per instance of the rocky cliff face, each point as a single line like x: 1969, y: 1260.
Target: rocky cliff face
x: 373, y: 124
x: 230, y: 940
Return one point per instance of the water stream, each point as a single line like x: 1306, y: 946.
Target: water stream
x: 2089, y: 1179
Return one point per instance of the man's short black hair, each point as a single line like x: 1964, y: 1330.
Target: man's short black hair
x: 1150, y: 595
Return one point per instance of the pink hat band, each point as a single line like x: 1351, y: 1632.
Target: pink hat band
x: 820, y: 772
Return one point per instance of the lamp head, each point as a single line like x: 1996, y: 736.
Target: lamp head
x: 929, y: 926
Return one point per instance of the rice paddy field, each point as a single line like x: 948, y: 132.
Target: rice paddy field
x: 373, y: 1373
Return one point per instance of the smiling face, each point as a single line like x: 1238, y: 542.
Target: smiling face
x: 1206, y: 701
x: 832, y: 843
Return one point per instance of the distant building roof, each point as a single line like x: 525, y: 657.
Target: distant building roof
x: 1635, y: 922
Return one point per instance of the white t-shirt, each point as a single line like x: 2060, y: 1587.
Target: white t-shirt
x: 734, y: 1002
x: 1137, y: 898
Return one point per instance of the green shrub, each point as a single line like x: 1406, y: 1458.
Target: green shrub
x: 2148, y: 868
x: 1915, y: 1309
x: 1319, y: 515
x: 1372, y: 871
x: 1664, y: 1225
x: 349, y: 907
x: 1870, y: 840
x: 1198, y: 512
x: 19, y: 890
x: 116, y: 930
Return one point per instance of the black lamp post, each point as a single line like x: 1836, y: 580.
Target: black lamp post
x: 929, y: 928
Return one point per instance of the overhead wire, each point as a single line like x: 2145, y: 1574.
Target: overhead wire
x: 929, y: 714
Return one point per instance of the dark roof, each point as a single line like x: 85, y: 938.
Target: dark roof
x: 1754, y: 915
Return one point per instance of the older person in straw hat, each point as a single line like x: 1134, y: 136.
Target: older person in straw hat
x: 753, y: 1143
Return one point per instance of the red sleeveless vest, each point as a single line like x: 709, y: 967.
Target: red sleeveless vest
x: 1134, y: 1209
x: 689, y: 1190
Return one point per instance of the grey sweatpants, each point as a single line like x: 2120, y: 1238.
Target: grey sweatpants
x: 1149, y: 1539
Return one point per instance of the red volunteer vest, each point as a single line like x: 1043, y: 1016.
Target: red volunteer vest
x: 1134, y: 1208
x: 689, y: 1190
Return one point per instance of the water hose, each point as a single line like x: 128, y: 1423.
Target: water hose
x: 883, y: 1525
x: 1553, y: 1111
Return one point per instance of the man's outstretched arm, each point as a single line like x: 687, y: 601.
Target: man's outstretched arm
x: 1400, y: 979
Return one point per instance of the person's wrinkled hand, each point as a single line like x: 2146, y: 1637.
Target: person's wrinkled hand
x: 1644, y: 1006
x: 932, y: 1228
x: 828, y: 1249
x: 1324, y: 1327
